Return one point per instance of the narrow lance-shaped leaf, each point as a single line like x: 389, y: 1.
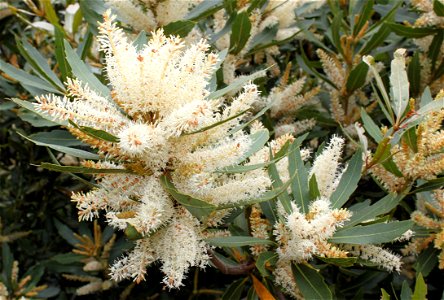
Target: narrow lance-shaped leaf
x: 300, y: 184
x: 39, y: 64
x: 196, y: 207
x: 366, y: 212
x: 370, y: 61
x: 357, y: 77
x: 96, y: 133
x: 438, y: 8
x: 371, y: 127
x: 236, y: 85
x: 71, y: 151
x: 234, y: 290
x: 283, y: 197
x: 30, y: 106
x: 349, y: 181
x: 57, y: 137
x: 27, y: 79
x: 237, y: 241
x: 371, y: 234
x: 411, y: 32
x: 240, y: 32
x: 420, y: 288
x: 83, y: 73
x: 82, y: 170
x: 265, y: 259
x: 310, y: 282
x: 399, y: 83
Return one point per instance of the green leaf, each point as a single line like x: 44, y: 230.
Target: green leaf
x: 50, y: 13
x: 371, y: 234
x: 426, y: 98
x: 420, y: 292
x: 67, y: 258
x: 83, y: 73
x: 310, y: 282
x: 85, y: 46
x: 96, y: 133
x: 306, y: 65
x: 71, y: 151
x: 264, y: 260
x: 252, y: 119
x: 377, y: 39
x: 438, y: 8
x: 131, y: 232
x: 237, y: 241
x: 140, y: 41
x: 263, y: 37
x: 370, y: 126
x: 27, y: 79
x: 56, y: 137
x: 339, y: 261
x: 364, y: 16
x: 30, y: 106
x: 406, y: 292
x: 336, y: 31
x: 362, y: 213
x: 300, y: 185
x: 62, y: 63
x: 204, y: 9
x: 314, y: 189
x: 414, y: 74
x: 179, y: 28
x: 411, y: 32
x: 389, y: 164
x: 349, y: 181
x: 82, y: 170
x: 385, y: 295
x: 426, y: 260
x: 399, y: 84
x: 34, y: 119
x: 435, y: 48
x: 240, y: 32
x: 283, y: 197
x: 258, y: 140
x: 430, y: 185
x: 7, y: 264
x: 91, y: 11
x: 410, y: 139
x: 215, y: 124
x: 39, y: 64
x: 65, y: 232
x: 234, y: 290
x: 236, y: 85
x: 357, y: 77
x: 196, y: 207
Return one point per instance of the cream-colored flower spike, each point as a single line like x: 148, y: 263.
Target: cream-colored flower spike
x: 161, y: 117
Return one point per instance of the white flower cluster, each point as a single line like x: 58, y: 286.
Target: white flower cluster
x: 276, y: 13
x: 163, y: 122
x: 302, y: 236
x: 148, y: 15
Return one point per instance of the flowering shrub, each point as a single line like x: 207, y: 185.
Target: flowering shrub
x: 296, y: 145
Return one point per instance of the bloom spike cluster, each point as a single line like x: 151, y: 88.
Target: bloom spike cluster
x: 158, y: 112
x: 301, y: 236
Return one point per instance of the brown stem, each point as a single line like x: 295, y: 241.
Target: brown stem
x: 239, y: 269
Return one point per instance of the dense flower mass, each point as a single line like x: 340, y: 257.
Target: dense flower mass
x: 161, y: 116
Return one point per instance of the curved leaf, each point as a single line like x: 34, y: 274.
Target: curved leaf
x: 371, y: 234
x: 238, y: 241
x: 310, y: 282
